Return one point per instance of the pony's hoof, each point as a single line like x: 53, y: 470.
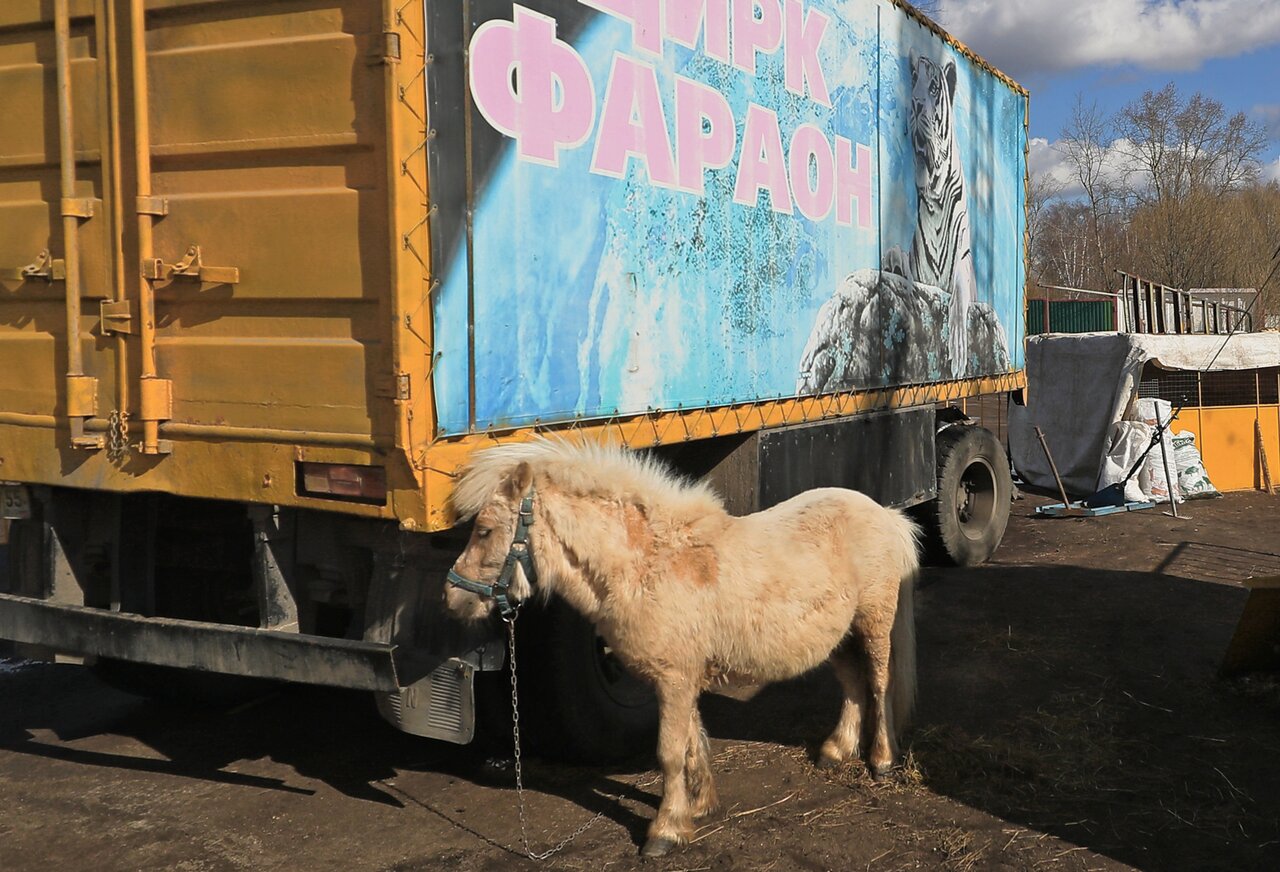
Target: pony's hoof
x: 827, y: 764
x: 881, y: 773
x: 658, y: 846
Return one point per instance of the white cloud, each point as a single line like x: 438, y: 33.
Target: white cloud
x: 1271, y: 172
x: 1030, y: 36
x: 1269, y: 115
x: 1048, y: 160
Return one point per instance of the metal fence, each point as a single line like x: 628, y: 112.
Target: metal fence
x: 1149, y: 307
x: 1070, y: 316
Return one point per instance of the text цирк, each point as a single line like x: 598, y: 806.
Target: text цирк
x: 537, y: 89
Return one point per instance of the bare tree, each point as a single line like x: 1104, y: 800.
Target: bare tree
x: 1180, y: 147
x: 1043, y: 190
x: 931, y: 8
x: 1086, y: 143
x: 1189, y: 158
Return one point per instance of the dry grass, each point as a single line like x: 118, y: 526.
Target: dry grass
x: 959, y: 853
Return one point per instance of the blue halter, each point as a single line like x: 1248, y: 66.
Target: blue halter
x: 519, y: 553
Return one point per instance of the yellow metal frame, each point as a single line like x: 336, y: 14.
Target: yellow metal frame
x: 443, y: 459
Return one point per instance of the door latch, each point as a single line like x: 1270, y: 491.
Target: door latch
x: 45, y: 267
x: 190, y: 267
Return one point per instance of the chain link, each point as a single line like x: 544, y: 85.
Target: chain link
x: 117, y: 435
x: 515, y: 734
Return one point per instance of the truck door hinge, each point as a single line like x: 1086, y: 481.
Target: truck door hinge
x: 156, y: 207
x: 393, y: 387
x: 190, y: 267
x: 388, y: 50
x: 78, y: 207
x: 45, y: 267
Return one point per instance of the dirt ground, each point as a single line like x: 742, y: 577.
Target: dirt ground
x: 1070, y: 718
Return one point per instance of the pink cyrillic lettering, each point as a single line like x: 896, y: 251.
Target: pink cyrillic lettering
x: 645, y: 17
x: 684, y: 18
x: 553, y: 102
x: 697, y: 149
x: 802, y: 44
x: 750, y: 33
x: 762, y: 164
x: 809, y: 145
x: 632, y: 122
x: 853, y: 183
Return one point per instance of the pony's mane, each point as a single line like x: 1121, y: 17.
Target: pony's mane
x: 587, y: 469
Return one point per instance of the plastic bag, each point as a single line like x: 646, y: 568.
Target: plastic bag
x: 1128, y: 440
x: 1160, y: 488
x: 1193, y: 478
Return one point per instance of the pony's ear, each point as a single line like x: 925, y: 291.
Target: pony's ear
x: 950, y: 72
x: 520, y: 481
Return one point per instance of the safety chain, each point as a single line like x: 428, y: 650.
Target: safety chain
x: 515, y: 732
x: 117, y: 435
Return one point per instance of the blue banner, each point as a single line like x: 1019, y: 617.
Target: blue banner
x: 688, y: 204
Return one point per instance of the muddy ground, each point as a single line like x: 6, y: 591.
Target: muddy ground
x: 1070, y: 718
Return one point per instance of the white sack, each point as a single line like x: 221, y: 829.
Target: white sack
x: 1127, y: 441
x: 1193, y: 478
x: 1157, y: 459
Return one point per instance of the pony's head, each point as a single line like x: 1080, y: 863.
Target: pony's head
x: 590, y: 501
x: 493, y: 570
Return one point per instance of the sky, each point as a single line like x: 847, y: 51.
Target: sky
x: 1111, y: 51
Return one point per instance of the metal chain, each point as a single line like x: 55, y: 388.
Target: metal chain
x: 515, y: 733
x: 117, y: 435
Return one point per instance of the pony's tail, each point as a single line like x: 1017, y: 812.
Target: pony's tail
x: 902, y: 640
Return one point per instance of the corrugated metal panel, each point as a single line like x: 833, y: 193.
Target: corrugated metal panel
x: 272, y: 149
x: 1070, y: 316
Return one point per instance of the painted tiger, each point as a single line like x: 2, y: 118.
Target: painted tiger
x: 940, y: 250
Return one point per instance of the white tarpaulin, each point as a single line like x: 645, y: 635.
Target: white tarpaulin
x: 1079, y: 386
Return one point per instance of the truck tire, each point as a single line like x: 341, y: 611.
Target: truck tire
x: 580, y: 702
x: 964, y: 525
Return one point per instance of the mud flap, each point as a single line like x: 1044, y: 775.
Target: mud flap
x: 439, y: 706
x: 1255, y: 647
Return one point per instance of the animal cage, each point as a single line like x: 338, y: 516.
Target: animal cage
x: 1230, y: 412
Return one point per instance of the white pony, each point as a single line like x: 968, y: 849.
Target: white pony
x: 684, y: 593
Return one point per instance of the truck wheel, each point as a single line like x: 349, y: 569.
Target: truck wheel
x: 965, y: 524
x: 581, y: 702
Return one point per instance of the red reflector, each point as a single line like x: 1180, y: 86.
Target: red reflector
x: 365, y: 484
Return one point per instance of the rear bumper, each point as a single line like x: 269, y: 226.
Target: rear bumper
x: 221, y: 648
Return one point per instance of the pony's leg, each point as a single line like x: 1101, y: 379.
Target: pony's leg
x: 883, y: 745
x: 697, y: 770
x: 844, y: 742
x: 674, y: 823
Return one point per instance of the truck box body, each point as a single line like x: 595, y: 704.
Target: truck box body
x: 311, y: 254
x: 653, y: 230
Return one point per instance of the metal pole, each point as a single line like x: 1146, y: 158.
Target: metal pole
x: 81, y: 391
x: 146, y: 218
x: 109, y: 76
x: 1066, y: 503
x: 1170, y: 483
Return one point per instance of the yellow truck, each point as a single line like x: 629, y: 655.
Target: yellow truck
x: 270, y: 272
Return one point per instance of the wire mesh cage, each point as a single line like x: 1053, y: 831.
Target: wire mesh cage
x: 1246, y: 387
x: 1179, y: 387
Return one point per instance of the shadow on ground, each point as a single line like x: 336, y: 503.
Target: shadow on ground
x: 1080, y: 703
x: 1083, y: 703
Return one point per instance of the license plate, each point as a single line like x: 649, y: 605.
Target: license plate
x: 15, y: 502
